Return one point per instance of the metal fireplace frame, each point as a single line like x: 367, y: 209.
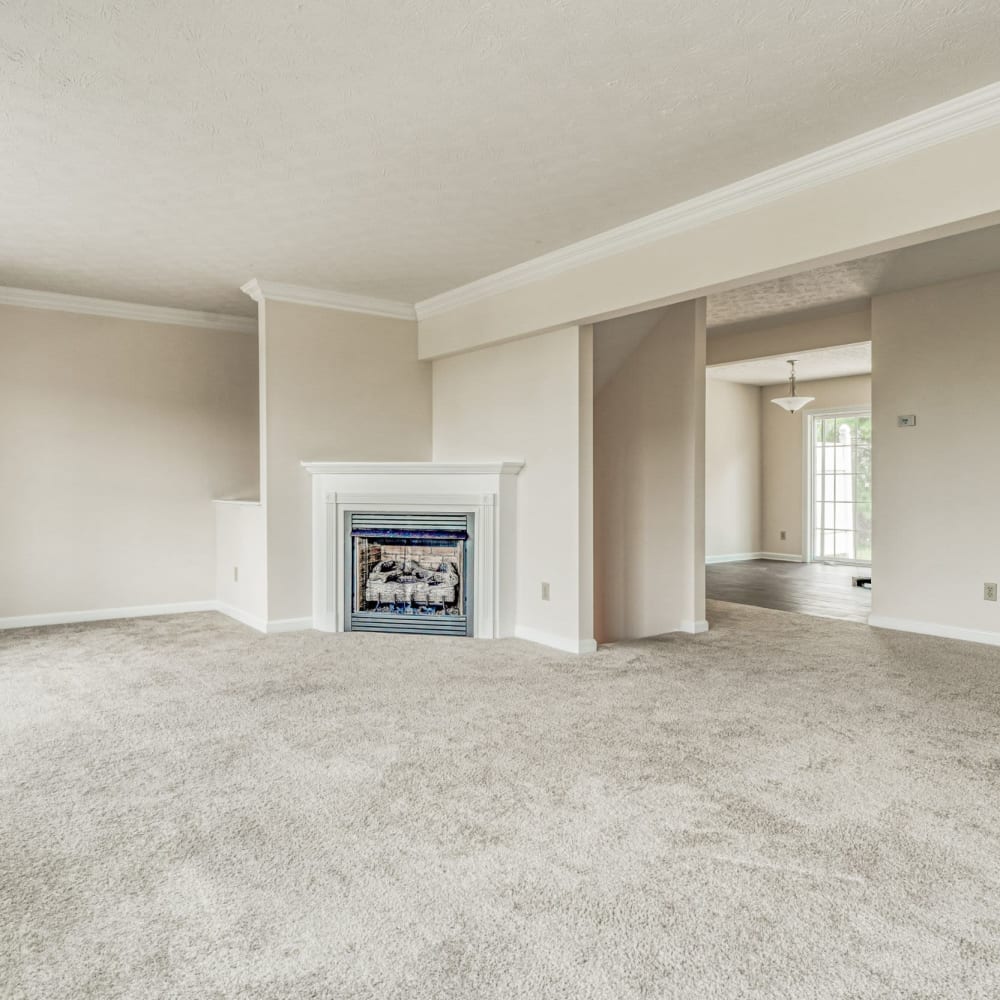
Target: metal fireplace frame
x: 392, y: 526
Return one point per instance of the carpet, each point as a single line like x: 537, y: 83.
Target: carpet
x: 783, y: 807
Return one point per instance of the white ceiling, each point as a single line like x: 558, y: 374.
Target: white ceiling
x: 854, y: 282
x: 828, y: 362
x: 166, y: 152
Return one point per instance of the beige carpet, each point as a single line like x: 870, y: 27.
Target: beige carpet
x: 786, y: 807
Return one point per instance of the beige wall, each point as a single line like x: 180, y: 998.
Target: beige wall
x: 852, y: 327
x: 783, y: 456
x: 338, y: 386
x: 115, y: 436
x: 732, y: 469
x: 531, y: 400
x: 649, y: 478
x: 936, y: 354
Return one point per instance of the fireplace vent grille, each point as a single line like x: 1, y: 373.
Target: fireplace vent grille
x: 372, y: 522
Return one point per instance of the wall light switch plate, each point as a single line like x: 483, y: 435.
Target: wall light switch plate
x: 545, y: 591
x: 989, y: 591
x: 906, y: 420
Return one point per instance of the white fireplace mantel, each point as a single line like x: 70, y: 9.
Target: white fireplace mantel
x: 486, y: 489
x: 413, y: 468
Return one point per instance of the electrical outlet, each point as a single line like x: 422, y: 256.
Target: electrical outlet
x: 545, y: 591
x: 784, y: 536
x: 989, y: 591
x: 236, y: 574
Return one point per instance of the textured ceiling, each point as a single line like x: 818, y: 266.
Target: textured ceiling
x: 842, y: 285
x: 165, y: 152
x: 809, y: 293
x: 829, y: 362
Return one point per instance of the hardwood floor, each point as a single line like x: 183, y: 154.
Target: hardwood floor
x: 809, y: 588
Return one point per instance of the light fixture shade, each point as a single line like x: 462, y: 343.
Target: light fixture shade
x: 793, y: 403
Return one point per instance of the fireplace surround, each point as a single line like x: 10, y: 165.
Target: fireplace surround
x: 414, y: 547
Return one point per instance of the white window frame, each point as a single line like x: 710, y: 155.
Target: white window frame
x: 808, y: 435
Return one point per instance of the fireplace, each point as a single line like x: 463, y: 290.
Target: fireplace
x: 419, y: 516
x: 409, y: 572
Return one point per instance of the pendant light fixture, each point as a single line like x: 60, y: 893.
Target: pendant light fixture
x: 791, y: 402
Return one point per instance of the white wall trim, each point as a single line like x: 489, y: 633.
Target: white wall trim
x: 694, y: 627
x: 781, y: 557
x: 243, y: 617
x: 261, y: 291
x: 933, y: 628
x: 148, y: 610
x: 972, y: 112
x: 564, y: 643
x: 737, y: 557
x: 413, y: 468
x: 30, y: 299
x: 288, y: 625
x: 106, y: 614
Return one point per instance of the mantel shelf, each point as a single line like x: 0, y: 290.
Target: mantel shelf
x: 510, y: 468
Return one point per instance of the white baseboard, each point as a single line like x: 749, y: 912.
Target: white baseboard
x: 686, y: 627
x: 262, y: 624
x: 243, y: 617
x: 147, y: 610
x: 749, y: 556
x: 933, y: 628
x: 106, y: 614
x: 289, y: 625
x: 695, y: 628
x: 567, y: 645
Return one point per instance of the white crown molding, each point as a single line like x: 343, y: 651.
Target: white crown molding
x: 31, y: 299
x: 963, y: 115
x: 261, y: 291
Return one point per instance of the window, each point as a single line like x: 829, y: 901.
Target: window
x: 841, y: 502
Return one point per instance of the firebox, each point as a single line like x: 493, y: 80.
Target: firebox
x: 409, y: 572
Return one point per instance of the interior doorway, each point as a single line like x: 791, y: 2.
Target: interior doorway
x: 788, y: 499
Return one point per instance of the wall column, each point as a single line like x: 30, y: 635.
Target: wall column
x: 650, y: 483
